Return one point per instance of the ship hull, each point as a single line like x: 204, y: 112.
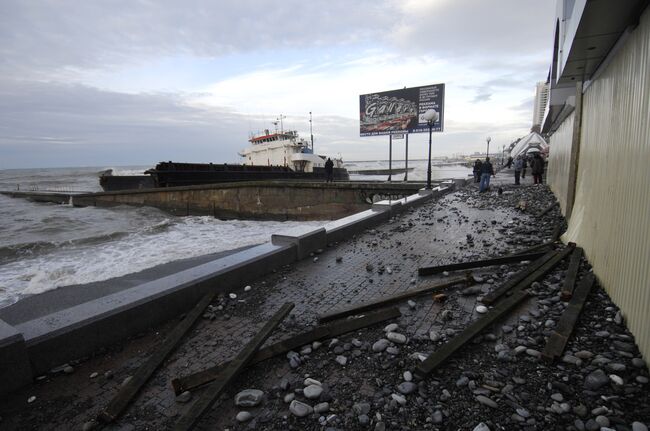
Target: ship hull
x: 170, y: 174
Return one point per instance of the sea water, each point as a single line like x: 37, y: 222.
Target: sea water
x: 44, y: 246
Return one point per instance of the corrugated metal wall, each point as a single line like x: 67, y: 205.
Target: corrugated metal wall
x: 559, y: 159
x: 611, y: 214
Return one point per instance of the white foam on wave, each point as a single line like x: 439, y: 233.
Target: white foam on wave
x: 163, y: 241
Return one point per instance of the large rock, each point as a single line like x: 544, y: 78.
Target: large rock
x: 313, y: 391
x: 380, y: 345
x: 595, y: 380
x: 407, y: 387
x: 396, y: 337
x: 300, y: 409
x: 249, y: 398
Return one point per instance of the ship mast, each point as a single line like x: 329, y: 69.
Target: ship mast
x: 281, y: 126
x: 311, y: 133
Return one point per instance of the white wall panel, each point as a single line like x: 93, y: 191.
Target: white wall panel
x: 559, y: 159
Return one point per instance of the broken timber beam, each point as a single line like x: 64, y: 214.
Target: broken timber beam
x: 195, y: 380
x: 545, y: 246
x: 439, y: 356
x: 393, y: 299
x: 430, y: 270
x: 125, y: 395
x: 535, y: 271
x: 571, y: 274
x: 557, y: 231
x: 547, y: 209
x: 557, y: 341
x: 215, y: 389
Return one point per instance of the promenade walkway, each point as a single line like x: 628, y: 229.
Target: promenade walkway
x: 363, y: 391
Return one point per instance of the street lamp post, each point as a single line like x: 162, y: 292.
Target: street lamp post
x: 488, y: 146
x: 431, y: 116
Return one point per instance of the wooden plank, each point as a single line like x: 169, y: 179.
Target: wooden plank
x: 439, y: 356
x: 215, y: 389
x: 558, y: 339
x: 519, y: 277
x: 571, y: 274
x: 382, y: 302
x: 547, y: 209
x: 126, y: 393
x: 527, y: 277
x: 545, y: 246
x: 195, y: 380
x: 430, y: 270
x: 557, y: 231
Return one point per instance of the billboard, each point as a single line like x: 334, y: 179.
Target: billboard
x: 400, y: 111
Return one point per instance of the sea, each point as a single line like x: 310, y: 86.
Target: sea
x: 45, y: 246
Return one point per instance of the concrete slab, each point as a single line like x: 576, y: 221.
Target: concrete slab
x: 15, y: 370
x: 82, y: 329
x: 306, y: 240
x: 344, y: 228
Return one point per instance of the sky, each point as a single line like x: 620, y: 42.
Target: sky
x: 133, y: 82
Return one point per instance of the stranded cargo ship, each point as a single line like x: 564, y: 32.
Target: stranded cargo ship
x: 271, y: 156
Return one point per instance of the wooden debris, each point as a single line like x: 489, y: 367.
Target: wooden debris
x: 125, y: 395
x: 547, y: 209
x: 430, y: 270
x: 543, y: 247
x: 557, y: 231
x: 195, y: 380
x: 535, y: 271
x: 395, y: 298
x: 571, y: 274
x: 439, y: 356
x: 440, y: 297
x: 215, y: 389
x: 558, y: 339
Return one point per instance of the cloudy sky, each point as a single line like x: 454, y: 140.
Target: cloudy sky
x: 133, y: 82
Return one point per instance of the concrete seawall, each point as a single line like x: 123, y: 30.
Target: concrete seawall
x: 32, y: 347
x: 259, y: 200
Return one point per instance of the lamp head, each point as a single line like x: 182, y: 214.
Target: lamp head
x: 431, y: 116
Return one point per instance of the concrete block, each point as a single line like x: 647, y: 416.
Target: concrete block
x: 15, y: 369
x: 344, y: 228
x: 416, y: 199
x: 392, y: 205
x: 80, y: 330
x: 306, y: 239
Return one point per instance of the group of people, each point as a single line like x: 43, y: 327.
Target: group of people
x: 536, y: 163
x: 483, y: 170
x: 482, y: 173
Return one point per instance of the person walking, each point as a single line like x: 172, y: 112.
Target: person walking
x: 329, y: 170
x: 523, y: 169
x: 477, y: 170
x: 509, y: 164
x: 519, y: 164
x: 537, y: 166
x: 486, y: 171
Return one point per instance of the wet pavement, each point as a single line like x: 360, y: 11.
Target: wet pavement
x: 497, y: 379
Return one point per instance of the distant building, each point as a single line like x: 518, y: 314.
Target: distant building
x: 541, y: 99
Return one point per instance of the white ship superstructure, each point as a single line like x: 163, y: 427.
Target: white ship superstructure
x: 284, y: 148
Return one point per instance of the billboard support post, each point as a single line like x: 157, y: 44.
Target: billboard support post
x: 390, y: 157
x: 429, y: 163
x: 406, y: 159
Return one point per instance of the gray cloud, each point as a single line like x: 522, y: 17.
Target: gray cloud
x: 37, y: 37
x: 471, y: 28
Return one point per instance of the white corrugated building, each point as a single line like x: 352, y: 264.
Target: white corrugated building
x: 598, y: 120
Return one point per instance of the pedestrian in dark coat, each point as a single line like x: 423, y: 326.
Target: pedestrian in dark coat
x: 477, y: 170
x: 329, y: 170
x: 519, y: 165
x: 523, y: 170
x: 537, y: 166
x: 486, y: 171
x: 509, y: 164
